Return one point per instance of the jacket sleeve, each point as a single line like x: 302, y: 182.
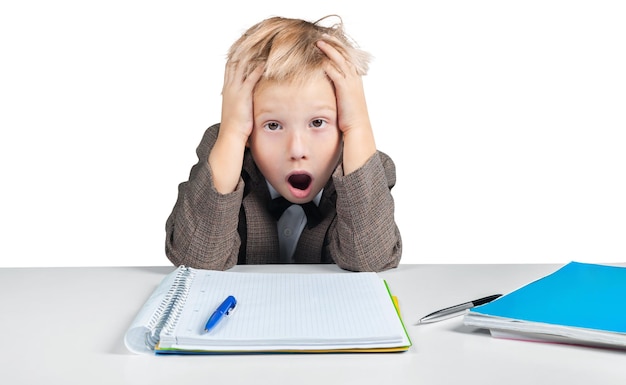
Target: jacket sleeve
x: 201, y: 231
x: 365, y: 236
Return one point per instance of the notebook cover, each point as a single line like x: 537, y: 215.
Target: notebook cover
x: 578, y: 295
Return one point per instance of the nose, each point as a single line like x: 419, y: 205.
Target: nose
x: 297, y: 145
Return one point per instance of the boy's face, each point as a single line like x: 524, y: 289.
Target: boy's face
x: 296, y: 142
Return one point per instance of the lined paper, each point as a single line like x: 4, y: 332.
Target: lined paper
x: 289, y: 310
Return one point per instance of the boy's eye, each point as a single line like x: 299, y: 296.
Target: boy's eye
x: 272, y: 126
x: 318, y: 123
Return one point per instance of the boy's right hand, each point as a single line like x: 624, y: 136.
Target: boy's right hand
x: 237, y: 114
x: 226, y: 157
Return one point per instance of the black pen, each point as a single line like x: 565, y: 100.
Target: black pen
x: 455, y: 310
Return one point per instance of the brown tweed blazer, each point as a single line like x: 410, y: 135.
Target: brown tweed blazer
x: 210, y: 230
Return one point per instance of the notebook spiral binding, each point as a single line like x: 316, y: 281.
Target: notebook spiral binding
x: 168, y: 312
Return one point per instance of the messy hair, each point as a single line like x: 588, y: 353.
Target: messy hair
x: 287, y: 48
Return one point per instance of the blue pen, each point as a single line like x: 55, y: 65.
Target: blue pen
x: 223, y: 310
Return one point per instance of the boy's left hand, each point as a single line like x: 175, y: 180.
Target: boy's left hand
x: 352, y: 116
x: 351, y: 105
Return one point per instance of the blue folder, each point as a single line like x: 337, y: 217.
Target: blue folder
x: 581, y: 301
x: 578, y: 294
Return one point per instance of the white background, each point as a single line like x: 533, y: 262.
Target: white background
x: 506, y: 120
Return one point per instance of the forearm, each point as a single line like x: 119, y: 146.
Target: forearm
x: 358, y: 147
x: 365, y: 235
x: 226, y: 160
x: 201, y: 231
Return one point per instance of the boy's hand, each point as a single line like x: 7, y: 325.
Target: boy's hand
x: 237, y: 115
x: 226, y: 157
x: 352, y: 116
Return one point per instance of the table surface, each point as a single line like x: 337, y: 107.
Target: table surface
x: 66, y: 326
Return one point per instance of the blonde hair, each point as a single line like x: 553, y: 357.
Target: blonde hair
x: 287, y: 48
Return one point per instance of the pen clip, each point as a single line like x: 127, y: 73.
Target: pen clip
x: 231, y: 309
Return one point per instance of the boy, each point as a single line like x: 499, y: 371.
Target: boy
x: 294, y: 125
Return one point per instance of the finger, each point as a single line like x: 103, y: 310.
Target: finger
x: 254, y: 76
x: 330, y: 51
x: 334, y: 73
x: 233, y: 76
x: 330, y: 67
x: 339, y: 60
x: 229, y: 68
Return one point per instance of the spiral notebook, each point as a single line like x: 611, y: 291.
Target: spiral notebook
x: 288, y: 312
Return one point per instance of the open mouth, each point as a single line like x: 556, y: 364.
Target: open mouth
x: 300, y: 181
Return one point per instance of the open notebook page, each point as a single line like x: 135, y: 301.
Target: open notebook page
x: 288, y: 310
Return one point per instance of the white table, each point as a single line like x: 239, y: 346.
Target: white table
x: 66, y: 326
